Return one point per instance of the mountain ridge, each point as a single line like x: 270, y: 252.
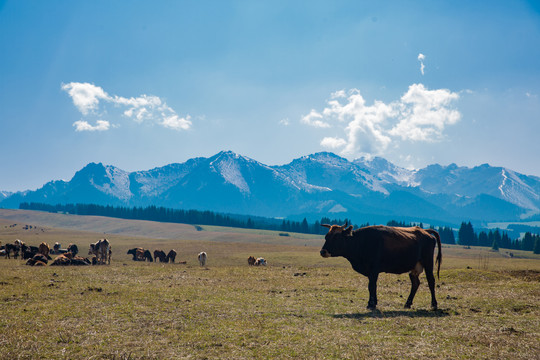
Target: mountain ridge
x: 313, y: 185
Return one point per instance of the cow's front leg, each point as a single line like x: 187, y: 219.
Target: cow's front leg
x: 372, y: 287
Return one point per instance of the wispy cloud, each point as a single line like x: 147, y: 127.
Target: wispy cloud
x: 94, y: 100
x: 419, y: 115
x: 421, y: 58
x: 101, y: 125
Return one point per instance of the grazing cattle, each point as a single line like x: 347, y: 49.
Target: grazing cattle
x: 202, y: 258
x: 251, y: 260
x: 102, y: 250
x: 148, y: 256
x: 44, y: 249
x: 27, y: 252
x: 12, y: 248
x: 260, y: 262
x: 72, y: 248
x: 136, y: 251
x: 171, y: 256
x: 375, y: 249
x: 160, y: 255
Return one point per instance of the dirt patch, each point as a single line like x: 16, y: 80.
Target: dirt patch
x: 527, y: 275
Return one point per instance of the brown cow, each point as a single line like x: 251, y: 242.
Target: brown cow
x: 396, y: 250
x: 44, y: 249
x: 171, y: 256
x: 160, y: 255
x: 251, y: 260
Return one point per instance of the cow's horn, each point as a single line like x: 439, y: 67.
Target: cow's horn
x: 326, y: 225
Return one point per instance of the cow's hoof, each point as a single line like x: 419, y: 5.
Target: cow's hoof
x: 371, y: 307
x: 407, y: 306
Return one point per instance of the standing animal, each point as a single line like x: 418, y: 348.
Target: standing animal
x: 260, y: 262
x: 102, y: 250
x: 171, y: 256
x: 137, y: 253
x: 251, y: 260
x: 148, y: 256
x: 202, y: 258
x: 160, y: 255
x: 72, y: 248
x: 44, y: 249
x: 396, y: 250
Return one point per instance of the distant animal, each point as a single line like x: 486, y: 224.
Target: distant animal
x: 202, y: 258
x: 140, y: 254
x: 396, y: 250
x: 27, y: 252
x: 74, y: 249
x: 3, y: 251
x: 148, y: 256
x: 160, y: 255
x: 44, y: 249
x: 102, y: 250
x: 137, y: 253
x: 12, y: 248
x: 251, y: 260
x: 57, y: 249
x: 62, y: 260
x: 171, y: 256
x: 37, y: 258
x: 260, y: 262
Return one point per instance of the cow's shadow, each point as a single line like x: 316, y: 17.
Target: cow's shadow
x: 395, y: 314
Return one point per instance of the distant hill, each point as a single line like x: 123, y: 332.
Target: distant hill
x: 321, y: 184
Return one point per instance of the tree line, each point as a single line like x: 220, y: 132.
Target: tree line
x: 466, y: 235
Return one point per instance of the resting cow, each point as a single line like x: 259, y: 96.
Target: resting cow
x: 375, y: 249
x: 72, y: 248
x: 260, y: 262
x: 202, y: 258
x: 171, y: 256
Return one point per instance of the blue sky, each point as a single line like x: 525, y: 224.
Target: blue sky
x: 141, y: 84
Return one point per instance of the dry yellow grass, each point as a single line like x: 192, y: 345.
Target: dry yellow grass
x: 300, y: 306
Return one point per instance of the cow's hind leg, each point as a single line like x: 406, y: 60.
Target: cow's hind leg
x: 431, y: 283
x: 372, y: 287
x: 415, y: 282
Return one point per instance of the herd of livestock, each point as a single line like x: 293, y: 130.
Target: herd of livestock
x: 100, y: 253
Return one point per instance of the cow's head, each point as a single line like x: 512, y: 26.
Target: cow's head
x: 92, y: 249
x: 335, y: 240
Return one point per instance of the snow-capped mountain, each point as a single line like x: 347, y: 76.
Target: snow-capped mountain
x: 316, y: 185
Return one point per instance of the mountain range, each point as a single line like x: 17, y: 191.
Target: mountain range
x: 321, y: 184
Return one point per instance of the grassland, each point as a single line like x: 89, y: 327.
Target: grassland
x: 300, y: 306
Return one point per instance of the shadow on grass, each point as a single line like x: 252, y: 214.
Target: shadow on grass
x: 394, y: 314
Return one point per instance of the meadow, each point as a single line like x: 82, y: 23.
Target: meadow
x: 300, y: 306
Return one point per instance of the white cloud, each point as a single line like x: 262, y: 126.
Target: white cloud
x: 93, y: 100
x: 333, y: 142
x: 421, y: 58
x: 419, y: 115
x: 177, y: 123
x: 284, y: 122
x: 313, y: 119
x: 425, y: 113
x: 85, y: 96
x: 101, y: 125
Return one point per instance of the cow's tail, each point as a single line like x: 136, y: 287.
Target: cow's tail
x: 439, y: 254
